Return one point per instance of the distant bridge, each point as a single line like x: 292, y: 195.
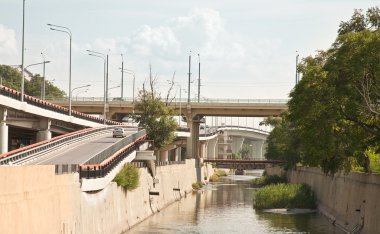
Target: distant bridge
x: 242, y: 164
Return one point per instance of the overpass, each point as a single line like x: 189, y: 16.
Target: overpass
x: 34, y: 120
x: 193, y: 111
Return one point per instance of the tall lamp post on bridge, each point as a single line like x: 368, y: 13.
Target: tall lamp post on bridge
x: 43, y: 78
x: 114, y: 87
x: 43, y: 81
x: 180, y: 103
x: 105, y: 59
x: 66, y: 30
x: 134, y: 78
x: 83, y: 86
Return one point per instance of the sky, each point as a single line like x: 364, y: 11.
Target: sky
x: 247, y: 48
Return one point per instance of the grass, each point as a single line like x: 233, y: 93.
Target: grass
x: 284, y: 196
x: 267, y: 180
x: 128, y: 177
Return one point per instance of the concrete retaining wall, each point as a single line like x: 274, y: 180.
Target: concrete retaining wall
x: 350, y: 200
x: 35, y: 200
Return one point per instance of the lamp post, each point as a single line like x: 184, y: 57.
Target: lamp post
x: 81, y: 91
x: 22, y: 51
x: 44, y: 62
x: 180, y: 103
x: 134, y: 78
x: 43, y: 78
x: 104, y: 57
x: 297, y: 78
x: 114, y: 87
x: 188, y: 89
x: 84, y: 86
x: 122, y: 77
x: 199, y: 77
x: 68, y: 32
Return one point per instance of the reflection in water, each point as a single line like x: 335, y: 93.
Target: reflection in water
x: 227, y: 207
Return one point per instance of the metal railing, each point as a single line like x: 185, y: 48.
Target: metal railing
x: 52, y: 107
x: 111, y: 150
x: 66, y: 168
x: 30, y: 150
x: 102, y: 169
x: 166, y: 163
x: 183, y: 101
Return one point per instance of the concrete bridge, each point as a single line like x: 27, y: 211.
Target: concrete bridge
x: 193, y: 111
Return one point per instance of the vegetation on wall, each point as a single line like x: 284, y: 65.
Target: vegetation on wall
x: 333, y: 117
x: 128, y: 177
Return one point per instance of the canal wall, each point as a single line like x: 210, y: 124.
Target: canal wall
x: 35, y: 200
x: 349, y: 200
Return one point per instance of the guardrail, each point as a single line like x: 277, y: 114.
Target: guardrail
x: 111, y: 150
x: 103, y: 168
x: 5, y: 91
x: 166, y: 163
x: 11, y: 156
x: 183, y: 101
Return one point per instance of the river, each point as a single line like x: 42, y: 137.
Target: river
x: 227, y: 207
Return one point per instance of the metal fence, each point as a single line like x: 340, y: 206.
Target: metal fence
x: 166, y: 163
x: 29, y: 151
x: 52, y: 107
x: 66, y: 168
x: 102, y: 156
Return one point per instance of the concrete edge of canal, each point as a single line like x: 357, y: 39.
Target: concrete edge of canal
x: 35, y: 200
x: 349, y: 200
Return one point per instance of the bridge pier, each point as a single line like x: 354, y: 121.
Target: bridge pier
x: 211, y: 148
x: 237, y: 143
x: 44, y: 133
x: 193, y: 141
x: 258, y: 150
x: 3, y: 131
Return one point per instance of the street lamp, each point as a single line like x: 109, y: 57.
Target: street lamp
x: 80, y: 91
x: 134, y: 78
x: 84, y: 86
x: 44, y: 62
x: 43, y: 77
x: 122, y: 77
x: 112, y: 88
x: 68, y: 32
x: 105, y: 59
x: 22, y: 52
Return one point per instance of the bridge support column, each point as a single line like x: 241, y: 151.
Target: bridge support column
x: 3, y: 131
x: 211, y: 148
x: 44, y: 133
x: 258, y: 150
x: 237, y: 143
x: 164, y: 156
x: 202, y: 150
x: 178, y: 154
x: 193, y: 140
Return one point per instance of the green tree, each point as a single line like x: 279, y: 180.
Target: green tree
x: 11, y: 78
x: 156, y: 118
x: 334, y: 114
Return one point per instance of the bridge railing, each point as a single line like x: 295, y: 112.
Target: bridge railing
x: 166, y: 163
x: 30, y: 150
x: 103, y: 168
x: 5, y: 91
x: 183, y: 101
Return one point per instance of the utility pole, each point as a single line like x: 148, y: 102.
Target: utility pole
x: 297, y: 78
x: 122, y: 77
x: 199, y: 78
x: 188, y: 89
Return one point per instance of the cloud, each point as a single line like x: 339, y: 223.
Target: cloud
x: 8, y: 45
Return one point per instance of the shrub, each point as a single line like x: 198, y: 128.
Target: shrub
x: 220, y: 173
x: 284, y: 196
x: 128, y: 177
x: 267, y: 180
x: 214, y: 178
x: 197, y: 185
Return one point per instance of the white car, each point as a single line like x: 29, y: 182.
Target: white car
x: 119, y: 132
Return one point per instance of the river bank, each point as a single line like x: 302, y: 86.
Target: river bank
x: 33, y: 199
x: 350, y: 200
